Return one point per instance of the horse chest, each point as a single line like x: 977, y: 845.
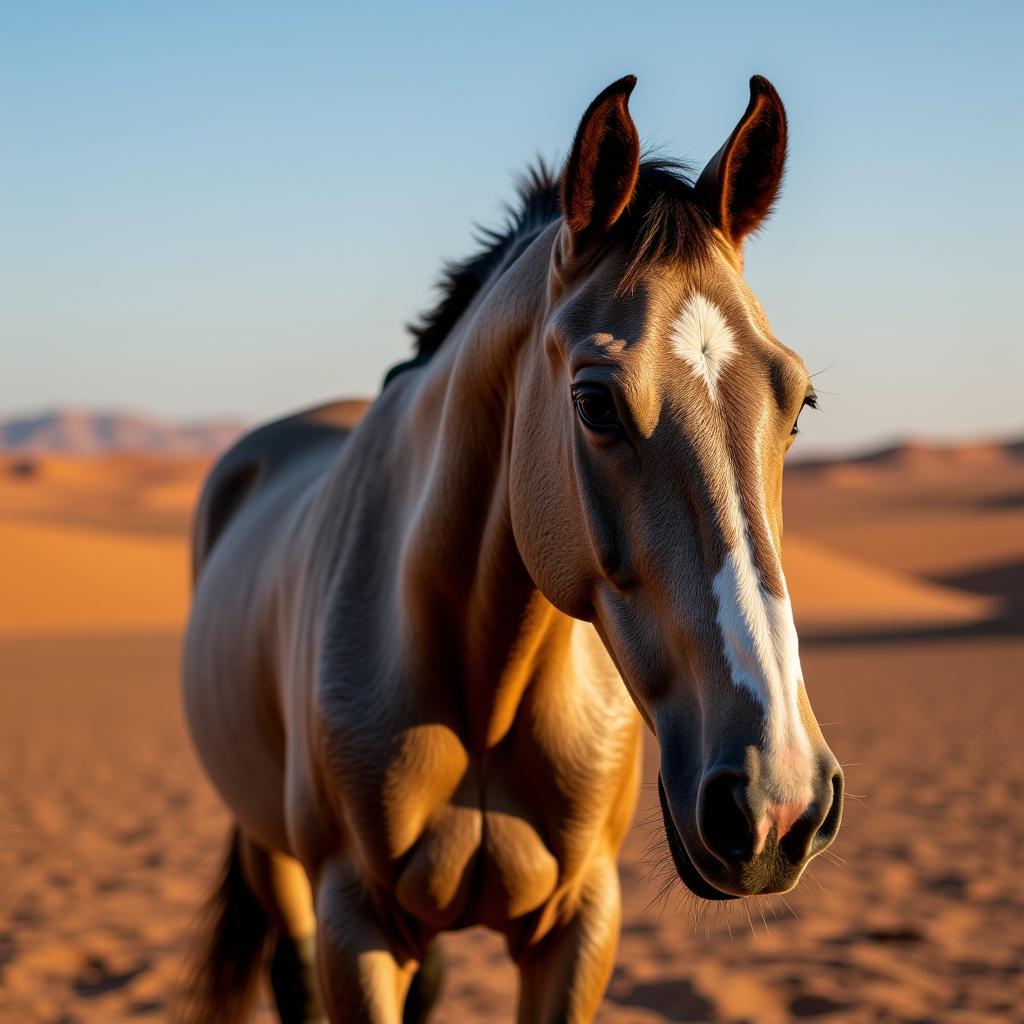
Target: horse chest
x: 475, y: 864
x: 462, y: 838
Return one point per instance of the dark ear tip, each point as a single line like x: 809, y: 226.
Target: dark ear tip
x: 760, y: 86
x: 623, y: 87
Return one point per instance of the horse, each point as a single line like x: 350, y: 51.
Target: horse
x: 428, y: 632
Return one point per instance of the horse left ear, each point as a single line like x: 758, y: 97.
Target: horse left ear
x: 600, y: 175
x: 741, y: 181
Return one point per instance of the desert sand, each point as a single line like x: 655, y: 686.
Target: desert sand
x: 907, y: 573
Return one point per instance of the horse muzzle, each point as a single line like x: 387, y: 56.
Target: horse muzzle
x: 740, y: 842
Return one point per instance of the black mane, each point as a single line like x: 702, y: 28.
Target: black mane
x: 664, y: 221
x: 460, y: 282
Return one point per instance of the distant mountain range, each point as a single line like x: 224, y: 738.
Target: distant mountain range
x: 82, y: 432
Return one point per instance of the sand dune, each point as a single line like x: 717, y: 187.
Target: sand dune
x: 923, y: 457
x: 97, y: 544
x: 63, y: 578
x: 136, y: 493
x: 930, y: 525
x: 74, y: 579
x: 837, y: 594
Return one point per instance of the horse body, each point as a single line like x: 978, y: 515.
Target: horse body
x: 413, y: 620
x: 363, y: 630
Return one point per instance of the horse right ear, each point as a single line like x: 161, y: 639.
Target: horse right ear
x: 600, y: 175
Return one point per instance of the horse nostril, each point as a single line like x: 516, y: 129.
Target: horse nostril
x: 735, y: 820
x: 816, y: 829
x: 725, y: 818
x: 830, y: 826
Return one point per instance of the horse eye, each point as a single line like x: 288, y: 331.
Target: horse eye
x: 810, y: 401
x: 595, y: 407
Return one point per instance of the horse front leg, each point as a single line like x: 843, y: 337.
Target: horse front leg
x: 362, y: 978
x: 563, y: 978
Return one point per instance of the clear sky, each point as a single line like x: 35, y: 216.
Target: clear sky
x: 233, y: 208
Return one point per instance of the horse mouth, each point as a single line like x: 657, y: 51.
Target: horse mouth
x: 685, y: 868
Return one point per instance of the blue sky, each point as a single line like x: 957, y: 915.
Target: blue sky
x: 233, y: 208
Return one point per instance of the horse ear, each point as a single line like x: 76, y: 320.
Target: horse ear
x: 600, y: 175
x: 741, y: 181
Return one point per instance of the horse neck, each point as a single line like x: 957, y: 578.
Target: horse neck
x: 466, y: 593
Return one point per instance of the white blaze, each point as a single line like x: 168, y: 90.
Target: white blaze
x: 760, y: 644
x: 702, y: 337
x: 761, y: 647
x: 758, y: 633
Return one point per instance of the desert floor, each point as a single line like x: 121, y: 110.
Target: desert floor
x: 908, y: 578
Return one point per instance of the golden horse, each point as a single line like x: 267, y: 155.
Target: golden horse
x: 427, y: 632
